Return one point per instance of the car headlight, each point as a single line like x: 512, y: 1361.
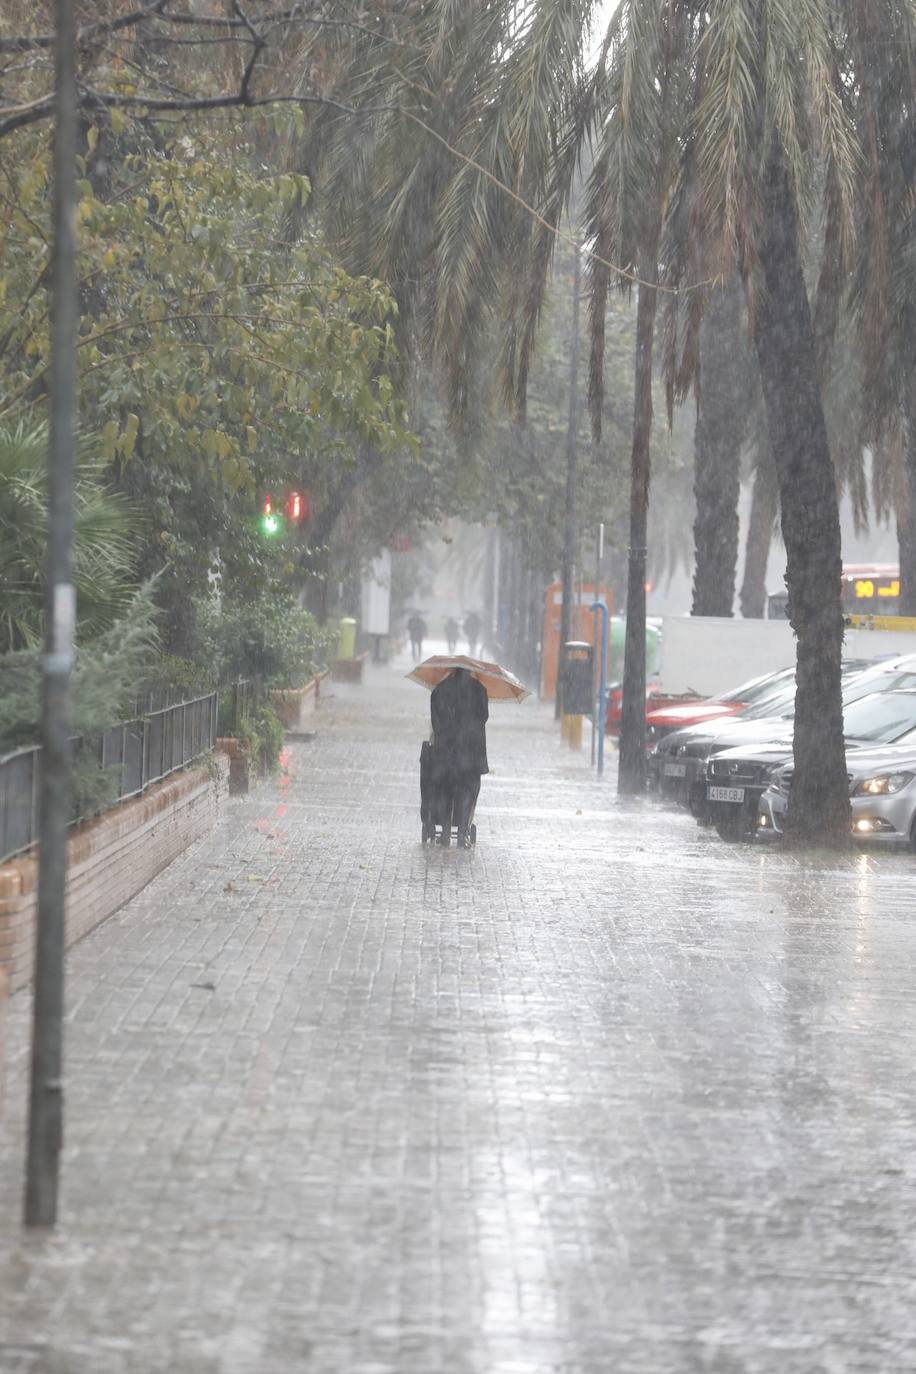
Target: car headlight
x: 882, y: 785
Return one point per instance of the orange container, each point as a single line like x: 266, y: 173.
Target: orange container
x: 584, y: 625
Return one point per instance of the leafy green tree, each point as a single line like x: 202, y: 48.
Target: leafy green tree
x: 217, y: 364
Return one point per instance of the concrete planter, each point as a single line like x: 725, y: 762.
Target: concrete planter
x: 237, y: 752
x: 290, y: 702
x: 350, y: 669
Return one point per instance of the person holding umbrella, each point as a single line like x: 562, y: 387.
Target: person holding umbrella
x: 459, y: 712
x: 451, y: 767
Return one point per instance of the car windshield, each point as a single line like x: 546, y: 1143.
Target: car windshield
x: 876, y: 680
x: 778, y: 703
x: 757, y: 687
x: 882, y: 716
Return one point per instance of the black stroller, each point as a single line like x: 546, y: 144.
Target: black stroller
x: 436, y: 802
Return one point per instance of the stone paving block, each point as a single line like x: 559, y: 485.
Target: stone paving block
x: 604, y: 1096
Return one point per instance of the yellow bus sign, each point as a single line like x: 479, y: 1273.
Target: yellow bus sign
x: 906, y: 624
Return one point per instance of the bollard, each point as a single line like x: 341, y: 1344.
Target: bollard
x: 571, y: 730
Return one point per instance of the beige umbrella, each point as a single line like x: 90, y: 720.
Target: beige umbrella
x: 500, y: 684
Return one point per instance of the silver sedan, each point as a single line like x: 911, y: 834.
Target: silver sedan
x: 882, y: 791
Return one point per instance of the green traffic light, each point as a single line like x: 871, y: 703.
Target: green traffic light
x: 270, y: 524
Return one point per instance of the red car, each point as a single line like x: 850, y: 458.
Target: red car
x: 614, y: 704
x: 665, y: 712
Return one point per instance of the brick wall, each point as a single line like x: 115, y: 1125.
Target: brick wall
x: 110, y: 859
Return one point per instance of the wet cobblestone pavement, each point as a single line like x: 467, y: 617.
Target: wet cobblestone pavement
x: 603, y: 1095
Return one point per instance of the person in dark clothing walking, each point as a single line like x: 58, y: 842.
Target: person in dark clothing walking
x: 472, y: 626
x: 416, y: 628
x: 451, y: 633
x: 459, y: 710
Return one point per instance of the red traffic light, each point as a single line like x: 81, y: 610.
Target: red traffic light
x: 297, y: 506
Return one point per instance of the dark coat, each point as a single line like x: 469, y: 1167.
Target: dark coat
x: 459, y: 711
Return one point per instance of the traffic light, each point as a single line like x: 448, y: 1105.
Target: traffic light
x: 271, y: 523
x: 295, y: 508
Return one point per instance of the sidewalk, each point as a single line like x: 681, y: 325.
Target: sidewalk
x: 604, y: 1096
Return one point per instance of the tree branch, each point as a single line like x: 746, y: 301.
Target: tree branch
x: 24, y: 43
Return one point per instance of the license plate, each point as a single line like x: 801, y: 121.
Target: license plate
x: 675, y: 770
x: 726, y: 794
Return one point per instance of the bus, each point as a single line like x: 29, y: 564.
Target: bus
x: 868, y: 589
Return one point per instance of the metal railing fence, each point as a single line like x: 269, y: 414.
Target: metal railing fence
x: 134, y: 754
x: 18, y: 800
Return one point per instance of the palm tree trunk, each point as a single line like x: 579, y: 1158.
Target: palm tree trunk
x: 631, y: 774
x: 569, y: 522
x: 764, y: 504
x: 719, y: 436
x: 786, y: 351
x: 906, y: 514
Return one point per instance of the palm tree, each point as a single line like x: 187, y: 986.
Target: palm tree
x: 707, y: 125
x: 760, y: 529
x: 105, y: 542
x: 723, y: 413
x: 773, y: 82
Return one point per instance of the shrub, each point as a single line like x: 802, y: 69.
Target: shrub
x: 108, y: 674
x: 272, y: 638
x: 179, y: 679
x: 262, y: 732
x: 106, y: 540
x: 107, y: 677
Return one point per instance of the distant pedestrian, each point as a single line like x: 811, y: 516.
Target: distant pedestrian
x: 459, y: 711
x: 416, y: 628
x: 452, y: 629
x: 472, y: 626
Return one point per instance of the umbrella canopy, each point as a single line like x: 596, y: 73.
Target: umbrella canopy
x: 500, y: 684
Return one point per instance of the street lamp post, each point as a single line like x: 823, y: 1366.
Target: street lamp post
x: 46, y: 1095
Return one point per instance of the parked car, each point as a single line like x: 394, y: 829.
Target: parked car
x: 614, y: 704
x: 663, y: 720
x: 736, y: 779
x: 677, y: 764
x: 882, y: 791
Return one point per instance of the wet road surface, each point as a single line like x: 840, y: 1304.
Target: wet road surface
x: 603, y: 1095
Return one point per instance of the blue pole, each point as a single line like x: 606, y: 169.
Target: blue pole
x: 602, y: 682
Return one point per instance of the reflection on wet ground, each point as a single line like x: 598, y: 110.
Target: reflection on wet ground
x: 603, y: 1095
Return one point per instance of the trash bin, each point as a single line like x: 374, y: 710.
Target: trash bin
x: 577, y: 678
x: 346, y: 643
